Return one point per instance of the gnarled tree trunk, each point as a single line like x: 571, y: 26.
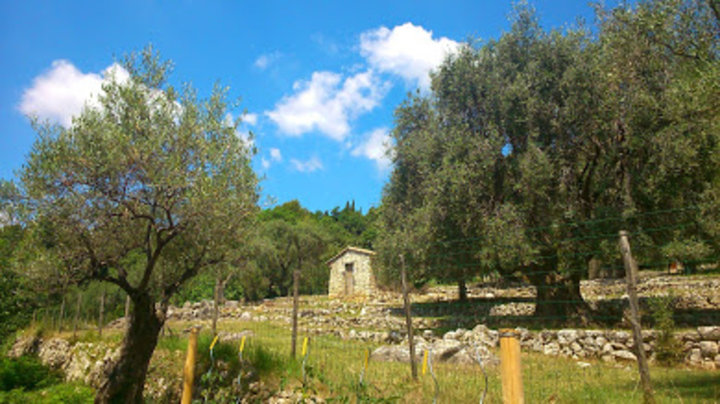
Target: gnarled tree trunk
x: 559, y: 299
x: 126, y: 380
x: 462, y: 290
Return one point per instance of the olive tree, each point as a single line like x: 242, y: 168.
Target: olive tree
x: 144, y: 191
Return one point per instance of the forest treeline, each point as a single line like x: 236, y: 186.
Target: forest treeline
x: 284, y: 238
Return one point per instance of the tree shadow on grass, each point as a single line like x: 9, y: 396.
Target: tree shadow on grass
x: 691, y: 385
x: 607, y: 313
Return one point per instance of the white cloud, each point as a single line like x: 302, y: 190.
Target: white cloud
x: 250, y: 119
x: 275, y: 154
x: 376, y: 146
x: 265, y: 163
x: 266, y: 59
x: 327, y: 103
x: 61, y: 92
x: 407, y: 50
x: 308, y: 166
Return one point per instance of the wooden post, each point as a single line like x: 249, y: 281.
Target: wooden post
x: 631, y: 271
x: 189, y: 369
x: 101, y: 312
x: 408, y: 318
x: 127, y: 308
x: 62, y: 314
x: 77, y: 313
x: 216, y: 303
x: 296, y: 303
x: 511, y: 375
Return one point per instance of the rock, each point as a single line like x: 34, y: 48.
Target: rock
x: 232, y: 304
x: 54, y: 352
x: 24, y: 346
x: 583, y: 365
x: 708, y: 349
x: 428, y: 334
x: 225, y: 336
x: 552, y: 349
x: 480, y: 329
x: 624, y: 355
x: 717, y: 361
x: 391, y: 353
x: 468, y: 356
x: 709, y: 333
x: 443, y: 350
x: 576, y: 347
x: 648, y: 335
x: 621, y: 336
x: 695, y: 356
x: 246, y: 316
x: 566, y: 337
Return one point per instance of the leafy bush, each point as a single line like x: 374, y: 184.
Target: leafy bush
x: 66, y: 393
x: 216, y: 375
x: 668, y: 350
x: 25, y: 373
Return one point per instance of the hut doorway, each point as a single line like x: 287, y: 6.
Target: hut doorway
x: 349, y: 279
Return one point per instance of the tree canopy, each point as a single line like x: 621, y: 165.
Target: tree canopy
x: 525, y: 140
x: 144, y: 191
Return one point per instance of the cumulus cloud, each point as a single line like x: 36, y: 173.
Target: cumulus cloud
x: 327, y: 103
x: 250, y: 119
x: 376, y: 146
x: 407, y: 50
x: 61, y: 92
x: 308, y: 166
x: 275, y: 154
x: 266, y: 59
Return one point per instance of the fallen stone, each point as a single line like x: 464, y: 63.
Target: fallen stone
x: 552, y: 349
x: 695, y: 356
x: 624, y: 355
x: 709, y: 333
x: 708, y: 349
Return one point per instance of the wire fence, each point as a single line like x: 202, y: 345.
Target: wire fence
x: 567, y: 302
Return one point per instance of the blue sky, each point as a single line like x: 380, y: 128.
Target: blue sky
x: 319, y: 79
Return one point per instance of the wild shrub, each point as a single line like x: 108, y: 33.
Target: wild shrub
x: 25, y: 373
x: 668, y: 350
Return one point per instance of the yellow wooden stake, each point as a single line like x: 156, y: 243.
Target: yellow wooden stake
x: 305, y: 345
x: 367, y: 359
x: 215, y: 340
x: 425, y: 359
x: 511, y: 376
x: 189, y: 369
x: 242, y: 344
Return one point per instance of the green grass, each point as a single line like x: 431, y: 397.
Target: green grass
x: 26, y: 380
x: 334, y: 367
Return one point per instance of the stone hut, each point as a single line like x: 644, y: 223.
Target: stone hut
x: 351, y: 273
